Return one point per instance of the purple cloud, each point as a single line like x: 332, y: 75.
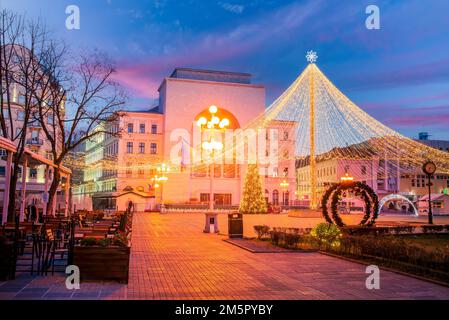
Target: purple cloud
x: 143, y: 78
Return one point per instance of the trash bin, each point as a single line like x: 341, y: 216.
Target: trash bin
x: 235, y: 225
x: 211, y: 225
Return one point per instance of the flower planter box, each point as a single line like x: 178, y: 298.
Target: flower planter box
x: 102, y: 263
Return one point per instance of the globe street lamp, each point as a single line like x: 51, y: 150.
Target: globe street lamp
x: 347, y: 179
x: 160, y: 178
x: 284, y: 185
x: 212, y: 126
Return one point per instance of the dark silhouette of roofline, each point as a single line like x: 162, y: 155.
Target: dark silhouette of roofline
x: 209, y: 71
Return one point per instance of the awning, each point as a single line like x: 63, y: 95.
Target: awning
x: 11, y: 147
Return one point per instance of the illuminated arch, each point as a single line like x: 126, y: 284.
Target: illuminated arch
x: 221, y: 113
x: 395, y: 196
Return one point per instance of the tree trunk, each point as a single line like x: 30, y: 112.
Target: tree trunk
x: 70, y: 201
x: 52, y: 191
x: 12, y: 192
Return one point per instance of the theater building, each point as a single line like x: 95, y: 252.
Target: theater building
x: 170, y: 136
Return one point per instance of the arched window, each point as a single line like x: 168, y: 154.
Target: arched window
x: 275, y: 197
x: 285, y: 198
x: 229, y: 170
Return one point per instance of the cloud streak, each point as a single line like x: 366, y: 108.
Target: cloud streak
x: 213, y: 48
x: 234, y: 8
x: 425, y: 73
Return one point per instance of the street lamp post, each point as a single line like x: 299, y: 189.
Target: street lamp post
x: 163, y: 170
x: 347, y: 179
x: 284, y: 185
x: 429, y: 168
x: 160, y: 179
x: 212, y: 125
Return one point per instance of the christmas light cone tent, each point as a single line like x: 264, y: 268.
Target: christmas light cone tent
x: 328, y: 125
x: 331, y: 126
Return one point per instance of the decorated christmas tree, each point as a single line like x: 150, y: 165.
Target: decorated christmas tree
x: 253, y: 200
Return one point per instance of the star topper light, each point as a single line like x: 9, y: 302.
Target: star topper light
x: 311, y: 56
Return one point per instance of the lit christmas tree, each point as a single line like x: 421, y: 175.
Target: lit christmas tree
x: 253, y: 200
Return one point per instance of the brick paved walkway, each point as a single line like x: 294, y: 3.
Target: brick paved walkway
x: 172, y: 259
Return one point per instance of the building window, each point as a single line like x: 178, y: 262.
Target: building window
x: 204, y: 197
x: 129, y: 170
x: 50, y: 118
x: 142, y: 147
x: 413, y: 182
x: 142, y: 128
x: 130, y: 128
x: 275, y: 197
x: 141, y: 171
x: 33, y: 173
x: 20, y: 116
x: 285, y: 198
x: 154, y: 129
x: 129, y: 147
x: 286, y: 172
x: 223, y: 199
x: 19, y: 172
x: 2, y: 171
x: 21, y: 99
x: 153, y: 148
x: 285, y: 135
x: 229, y: 171
x: 363, y: 169
x: 49, y: 155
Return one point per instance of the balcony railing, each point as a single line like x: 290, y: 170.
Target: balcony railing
x: 34, y: 124
x: 36, y: 142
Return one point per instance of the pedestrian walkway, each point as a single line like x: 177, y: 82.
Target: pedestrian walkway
x: 171, y: 258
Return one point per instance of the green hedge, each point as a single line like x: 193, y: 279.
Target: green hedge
x: 397, y: 253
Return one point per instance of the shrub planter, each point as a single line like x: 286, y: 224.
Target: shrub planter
x: 102, y: 263
x: 394, y: 230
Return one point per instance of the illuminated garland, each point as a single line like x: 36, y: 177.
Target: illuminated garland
x: 342, y: 129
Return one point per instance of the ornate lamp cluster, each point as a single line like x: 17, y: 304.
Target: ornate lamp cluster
x: 212, y: 125
x: 284, y: 185
x: 161, y: 177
